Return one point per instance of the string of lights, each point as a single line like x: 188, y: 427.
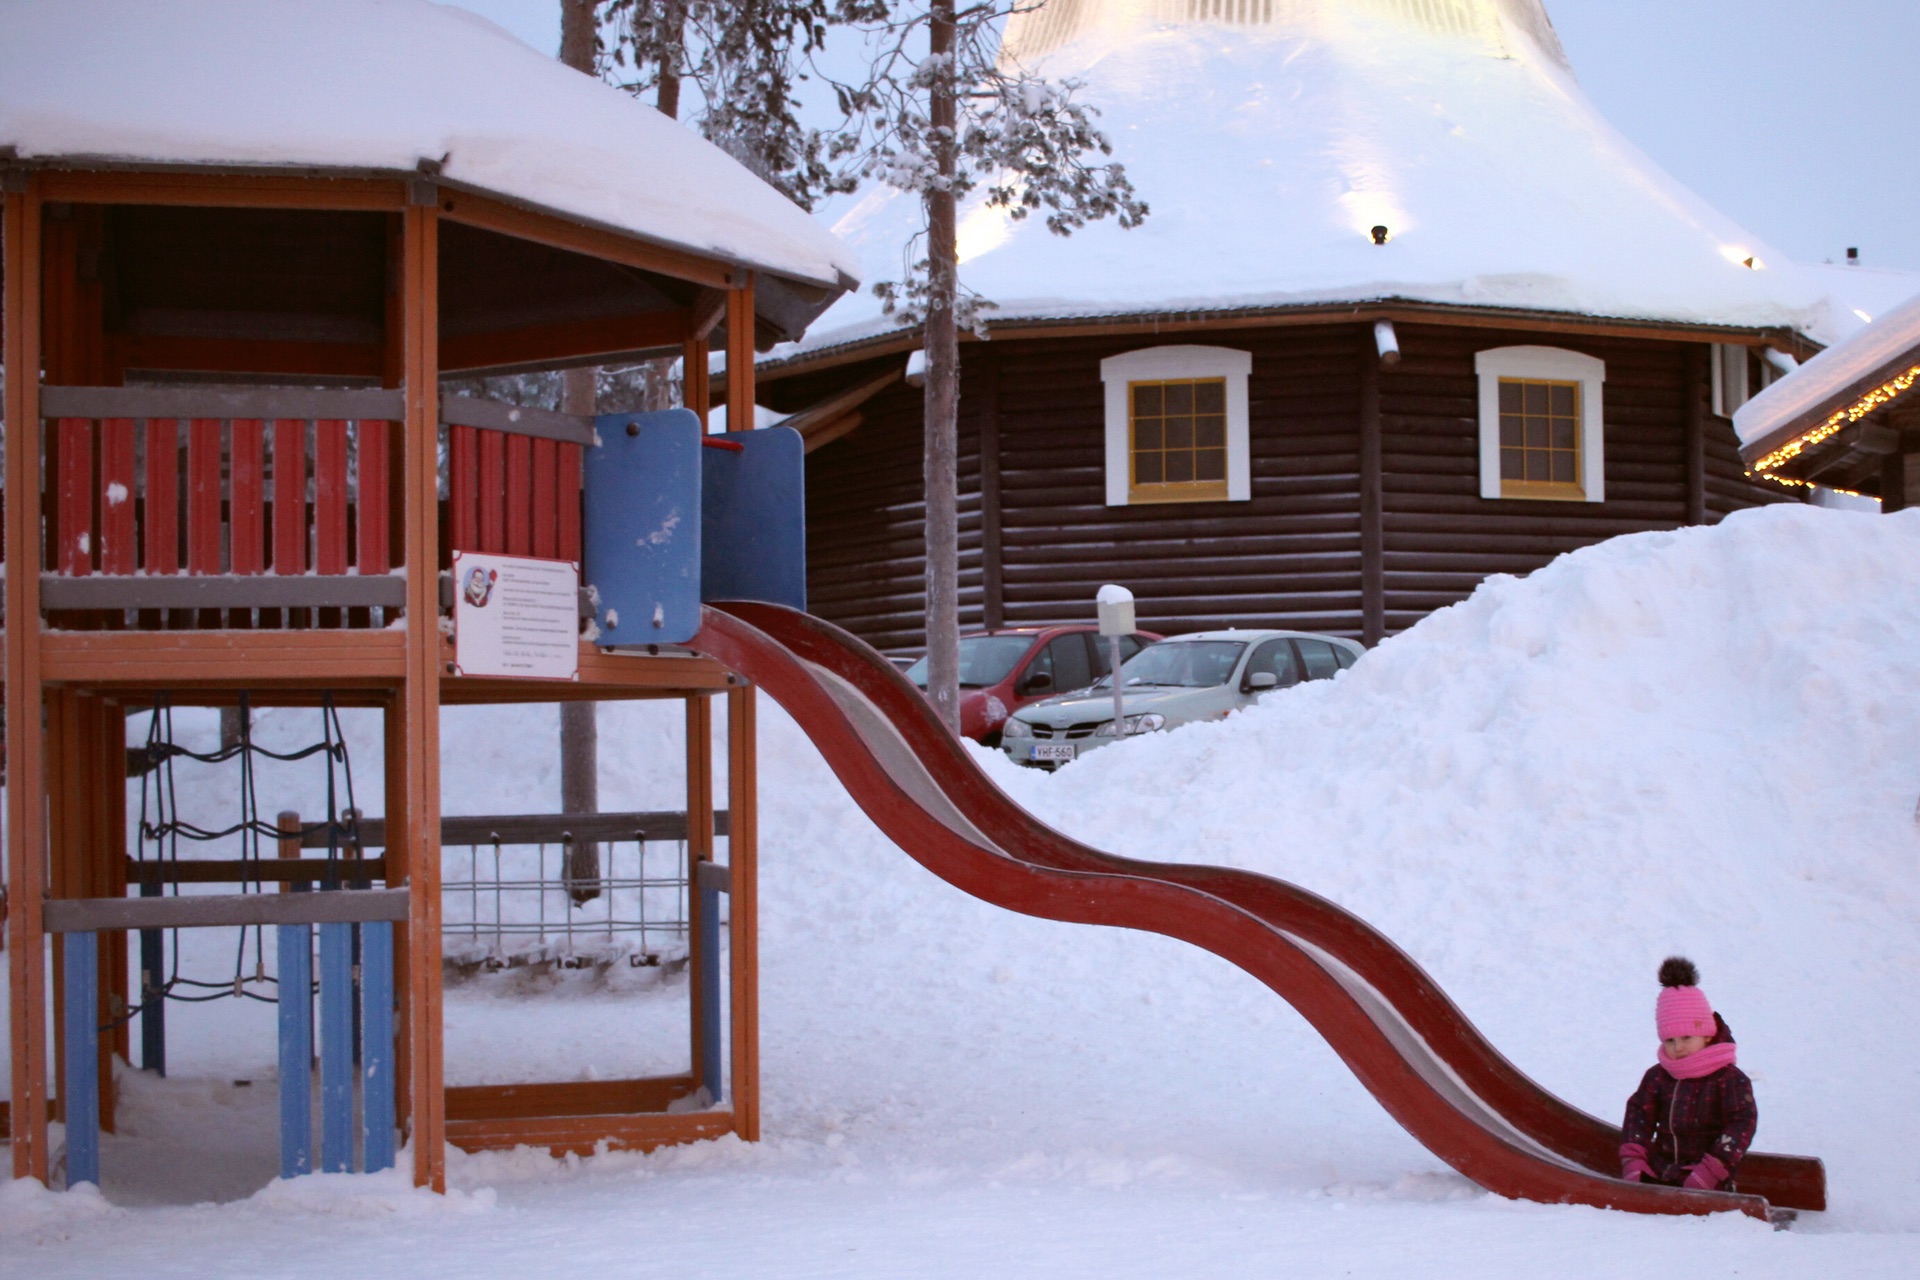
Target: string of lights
x: 1840, y: 420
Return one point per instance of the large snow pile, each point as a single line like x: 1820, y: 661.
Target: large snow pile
x: 1705, y: 740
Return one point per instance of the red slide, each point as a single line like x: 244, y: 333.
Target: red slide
x: 1382, y: 1014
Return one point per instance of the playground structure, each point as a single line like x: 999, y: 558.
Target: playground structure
x: 226, y: 478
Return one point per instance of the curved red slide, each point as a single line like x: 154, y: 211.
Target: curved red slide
x: 1388, y: 1021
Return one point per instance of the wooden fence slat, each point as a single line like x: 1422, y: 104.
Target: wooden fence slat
x: 373, y: 552
x: 162, y: 541
x: 246, y: 519
x: 117, y: 486
x: 203, y: 495
x: 568, y: 501
x: 290, y: 495
x: 330, y: 496
x: 519, y: 496
x: 545, y: 505
x: 73, y: 520
x: 463, y: 487
x: 493, y: 491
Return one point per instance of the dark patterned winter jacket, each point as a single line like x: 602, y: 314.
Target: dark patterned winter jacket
x: 1678, y: 1121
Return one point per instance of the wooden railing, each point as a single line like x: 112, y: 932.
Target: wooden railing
x: 513, y: 483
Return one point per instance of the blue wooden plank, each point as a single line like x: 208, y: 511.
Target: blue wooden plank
x: 377, y: 1051
x: 153, y: 1005
x: 712, y: 1064
x: 336, y: 1047
x: 642, y: 523
x: 81, y: 1087
x: 296, y: 1049
x: 753, y: 510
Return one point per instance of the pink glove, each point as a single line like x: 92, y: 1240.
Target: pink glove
x: 1633, y: 1163
x: 1707, y: 1175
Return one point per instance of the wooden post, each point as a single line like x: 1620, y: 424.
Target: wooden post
x: 743, y: 920
x: 1699, y: 370
x: 992, y: 587
x: 393, y: 723
x: 740, y: 354
x: 695, y: 394
x: 26, y: 790
x: 420, y: 697
x: 1373, y: 593
x: 699, y: 850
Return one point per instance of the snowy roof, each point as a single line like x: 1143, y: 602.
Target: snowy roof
x: 384, y: 85
x: 1831, y: 382
x: 1270, y: 139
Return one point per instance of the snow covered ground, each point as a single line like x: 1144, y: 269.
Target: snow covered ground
x: 1705, y: 740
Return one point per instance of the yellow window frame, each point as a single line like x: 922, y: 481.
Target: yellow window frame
x: 1139, y: 491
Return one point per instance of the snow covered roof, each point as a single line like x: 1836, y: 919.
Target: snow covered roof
x: 383, y: 85
x: 1832, y: 389
x: 1270, y: 136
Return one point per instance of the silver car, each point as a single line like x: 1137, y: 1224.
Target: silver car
x: 1204, y: 676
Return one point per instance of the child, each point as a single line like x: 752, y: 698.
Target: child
x: 1689, y: 1122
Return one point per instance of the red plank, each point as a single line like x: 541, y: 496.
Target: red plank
x: 247, y: 517
x: 289, y: 496
x: 372, y: 554
x: 116, y: 496
x: 463, y: 487
x: 545, y: 539
x: 162, y: 542
x: 519, y: 496
x: 568, y: 501
x: 73, y: 517
x: 493, y: 491
x: 203, y: 495
x: 330, y: 496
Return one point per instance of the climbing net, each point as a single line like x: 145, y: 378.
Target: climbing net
x: 162, y: 829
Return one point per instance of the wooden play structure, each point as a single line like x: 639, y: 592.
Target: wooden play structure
x: 230, y: 474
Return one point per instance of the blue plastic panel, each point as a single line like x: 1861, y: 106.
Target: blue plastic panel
x: 336, y: 1048
x: 754, y: 536
x: 296, y: 1049
x: 82, y: 1083
x: 377, y: 1057
x: 643, y: 527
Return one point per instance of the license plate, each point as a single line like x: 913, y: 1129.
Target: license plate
x: 1058, y: 752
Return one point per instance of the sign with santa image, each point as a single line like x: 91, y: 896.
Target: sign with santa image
x: 516, y: 616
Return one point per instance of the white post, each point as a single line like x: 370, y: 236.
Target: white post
x: 1115, y: 606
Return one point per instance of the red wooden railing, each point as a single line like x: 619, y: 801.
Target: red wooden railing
x: 513, y: 483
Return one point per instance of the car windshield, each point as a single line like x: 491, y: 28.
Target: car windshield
x: 984, y: 660
x: 1189, y: 664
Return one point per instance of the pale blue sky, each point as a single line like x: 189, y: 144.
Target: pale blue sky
x: 1796, y: 120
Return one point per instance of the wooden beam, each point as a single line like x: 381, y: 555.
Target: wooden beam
x: 695, y: 388
x: 843, y: 402
x: 519, y: 420
x: 163, y: 659
x: 1373, y: 591
x: 420, y: 695
x: 584, y: 1135
x: 221, y: 591
x: 992, y: 553
x: 162, y: 352
x: 282, y: 870
x: 595, y: 242
x: 221, y: 910
x: 701, y: 829
x: 26, y: 795
x: 1699, y: 370
x: 549, y: 1100
x: 218, y: 402
x: 224, y: 190
x: 832, y: 431
x: 740, y: 355
x: 743, y: 912
x: 576, y: 339
x: 708, y: 306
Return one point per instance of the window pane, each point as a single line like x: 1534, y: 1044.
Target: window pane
x: 1146, y: 399
x: 1512, y: 432
x: 1210, y: 397
x: 1564, y: 436
x: 1210, y: 464
x: 1536, y: 397
x: 1537, y: 464
x: 1275, y: 657
x: 1512, y: 400
x: 1179, y: 433
x: 1210, y: 433
x: 1179, y: 467
x: 1562, y: 401
x: 1071, y: 669
x: 1179, y: 398
x: 1536, y: 433
x: 1318, y: 654
x: 1148, y: 468
x: 1148, y: 433
x: 1563, y: 467
x: 1512, y: 464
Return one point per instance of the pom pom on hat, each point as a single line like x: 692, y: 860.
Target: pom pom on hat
x: 1683, y: 1009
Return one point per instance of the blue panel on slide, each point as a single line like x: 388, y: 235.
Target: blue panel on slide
x: 754, y: 542
x: 643, y: 527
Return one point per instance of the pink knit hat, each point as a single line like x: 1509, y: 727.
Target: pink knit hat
x: 1682, y: 1009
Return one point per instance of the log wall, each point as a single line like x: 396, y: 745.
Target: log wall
x: 1292, y: 555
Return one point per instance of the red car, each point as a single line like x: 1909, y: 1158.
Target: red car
x: 1002, y: 671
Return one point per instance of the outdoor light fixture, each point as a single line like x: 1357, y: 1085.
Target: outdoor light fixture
x: 1379, y: 235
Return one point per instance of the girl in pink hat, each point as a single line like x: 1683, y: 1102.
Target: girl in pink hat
x: 1692, y: 1118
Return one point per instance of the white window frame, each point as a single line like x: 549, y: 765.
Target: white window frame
x: 1550, y: 364
x: 1171, y: 364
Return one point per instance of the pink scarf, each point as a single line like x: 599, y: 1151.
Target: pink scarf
x: 1703, y: 1063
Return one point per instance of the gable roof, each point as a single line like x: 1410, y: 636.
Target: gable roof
x: 383, y: 86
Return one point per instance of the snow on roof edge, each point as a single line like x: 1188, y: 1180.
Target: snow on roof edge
x: 1834, y: 374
